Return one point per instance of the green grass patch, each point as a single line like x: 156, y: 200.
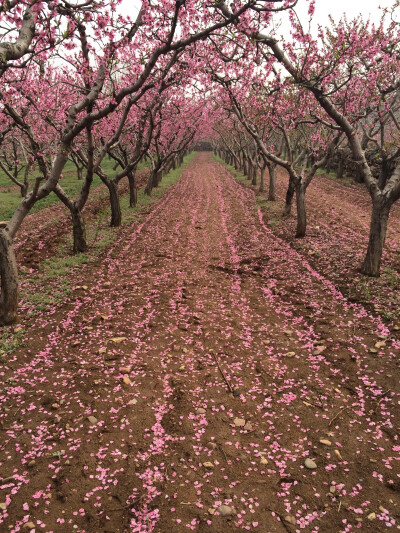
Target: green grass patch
x: 11, y: 197
x: 54, y: 273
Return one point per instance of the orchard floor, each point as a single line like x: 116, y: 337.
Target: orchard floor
x: 195, y: 370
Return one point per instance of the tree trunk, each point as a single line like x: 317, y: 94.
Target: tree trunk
x: 132, y: 189
x: 158, y: 178
x: 358, y: 177
x: 301, y: 210
x: 8, y: 280
x: 289, y: 199
x: 254, y: 175
x: 272, y: 182
x: 24, y: 189
x: 262, y: 178
x: 340, y: 170
x: 78, y: 232
x: 377, y: 235
x: 249, y: 169
x: 150, y: 183
x: 244, y: 166
x: 328, y: 165
x: 116, y: 216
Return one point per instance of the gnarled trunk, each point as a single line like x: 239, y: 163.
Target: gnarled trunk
x: 377, y: 235
x: 262, y: 178
x: 289, y: 198
x: 8, y: 280
x: 340, y: 169
x: 301, y: 210
x: 78, y: 232
x: 132, y: 189
x: 272, y: 182
x: 254, y: 175
x: 150, y: 182
x: 244, y: 166
x: 116, y: 216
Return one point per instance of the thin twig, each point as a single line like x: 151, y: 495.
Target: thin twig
x: 223, y: 375
x: 335, y: 417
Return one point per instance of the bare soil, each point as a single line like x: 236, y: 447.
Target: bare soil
x: 199, y: 365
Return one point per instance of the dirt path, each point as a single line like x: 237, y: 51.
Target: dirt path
x: 118, y: 417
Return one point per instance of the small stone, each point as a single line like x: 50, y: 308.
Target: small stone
x: 264, y: 461
x: 182, y: 367
x: 211, y: 511
x: 309, y: 463
x: 211, y: 445
x: 31, y: 463
x: 126, y: 380
x: 200, y: 411
x: 239, y: 422
x: 338, y: 455
x: 29, y: 525
x: 225, y: 510
x: 373, y: 350
x: 132, y: 402
x: 326, y: 442
x: 67, y: 462
x: 3, y: 506
x: 380, y: 344
x: 208, y: 464
x: 371, y: 516
x: 54, y: 406
x: 290, y: 519
x: 126, y: 369
x: 92, y: 420
x: 248, y: 427
x: 383, y: 510
x: 118, y: 340
x: 332, y: 489
x: 288, y: 332
x: 290, y: 354
x: 76, y: 343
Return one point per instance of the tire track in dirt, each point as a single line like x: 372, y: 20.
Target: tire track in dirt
x: 199, y: 293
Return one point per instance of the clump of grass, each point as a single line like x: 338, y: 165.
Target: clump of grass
x: 9, y: 341
x: 55, y: 272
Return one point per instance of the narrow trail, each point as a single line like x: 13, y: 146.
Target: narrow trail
x: 120, y: 415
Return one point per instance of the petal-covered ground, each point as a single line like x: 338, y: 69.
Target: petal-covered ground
x: 337, y: 238
x: 207, y: 379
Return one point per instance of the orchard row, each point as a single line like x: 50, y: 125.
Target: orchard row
x: 84, y: 83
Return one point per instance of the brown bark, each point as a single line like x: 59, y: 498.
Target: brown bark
x: 377, y: 236
x: 78, y: 232
x: 289, y: 198
x: 272, y: 182
x: 132, y: 189
x: 301, y: 210
x: 116, y: 215
x: 8, y: 280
